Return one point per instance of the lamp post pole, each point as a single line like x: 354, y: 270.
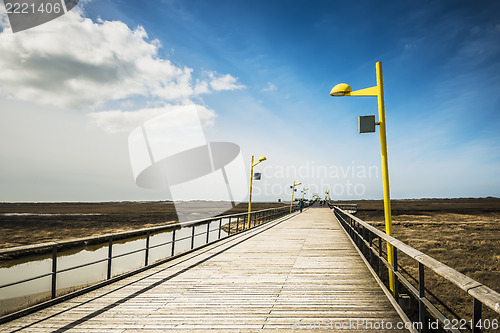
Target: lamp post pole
x: 385, y: 169
x: 251, y: 182
x: 343, y: 89
x: 250, y: 195
x: 293, y: 190
x: 304, y: 192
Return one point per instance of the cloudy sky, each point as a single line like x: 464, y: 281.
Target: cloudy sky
x: 260, y: 73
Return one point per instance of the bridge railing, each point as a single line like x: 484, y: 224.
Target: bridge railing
x: 200, y: 233
x: 349, y: 208
x: 369, y: 240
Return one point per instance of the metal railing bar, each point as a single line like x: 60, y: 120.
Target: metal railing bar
x: 220, y: 227
x: 129, y: 253
x: 431, y: 307
x: 173, y: 244
x: 146, y: 255
x: 110, y: 258
x: 476, y: 316
x: 183, y: 238
x: 54, y: 272
x: 414, y: 290
x: 192, y: 237
x: 82, y: 265
x: 208, y: 231
x: 25, y: 280
x: 159, y: 245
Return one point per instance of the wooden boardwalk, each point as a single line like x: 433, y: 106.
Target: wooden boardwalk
x: 299, y: 273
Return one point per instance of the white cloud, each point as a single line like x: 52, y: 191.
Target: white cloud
x: 201, y: 87
x: 224, y: 82
x: 117, y: 121
x: 75, y: 62
x: 270, y: 87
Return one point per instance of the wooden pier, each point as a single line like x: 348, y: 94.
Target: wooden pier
x: 299, y: 273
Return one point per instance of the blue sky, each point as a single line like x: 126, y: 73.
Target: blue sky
x: 275, y: 63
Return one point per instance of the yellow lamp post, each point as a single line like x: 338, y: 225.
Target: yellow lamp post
x: 367, y: 124
x: 327, y: 195
x: 263, y: 158
x: 293, y: 190
x: 304, y: 192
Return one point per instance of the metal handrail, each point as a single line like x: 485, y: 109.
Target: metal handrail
x: 259, y: 217
x: 363, y: 235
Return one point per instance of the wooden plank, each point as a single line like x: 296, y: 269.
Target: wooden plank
x: 487, y: 295
x: 301, y: 271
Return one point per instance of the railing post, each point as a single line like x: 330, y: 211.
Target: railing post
x: 396, y: 280
x: 110, y: 256
x: 476, y: 317
x: 358, y: 235
x: 353, y: 228
x: 146, y: 259
x: 54, y: 272
x: 220, y: 227
x: 370, y: 241
x: 237, y: 224
x: 421, y: 295
x: 379, y: 256
x: 173, y: 243
x: 208, y: 231
x: 365, y: 247
x: 192, y: 237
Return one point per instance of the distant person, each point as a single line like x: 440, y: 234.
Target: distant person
x: 301, y: 205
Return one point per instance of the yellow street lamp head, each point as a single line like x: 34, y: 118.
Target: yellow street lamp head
x: 341, y: 89
x: 262, y: 159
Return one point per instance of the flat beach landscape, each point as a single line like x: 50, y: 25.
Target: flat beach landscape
x: 32, y: 223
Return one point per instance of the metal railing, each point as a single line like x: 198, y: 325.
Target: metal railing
x: 369, y: 241
x: 235, y: 223
x: 349, y: 208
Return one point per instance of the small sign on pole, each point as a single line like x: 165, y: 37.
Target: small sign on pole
x: 366, y: 124
x: 257, y: 176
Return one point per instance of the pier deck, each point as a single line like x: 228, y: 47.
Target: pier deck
x: 298, y: 273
